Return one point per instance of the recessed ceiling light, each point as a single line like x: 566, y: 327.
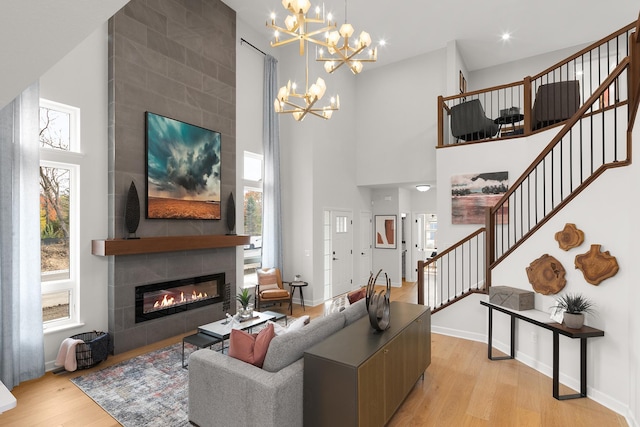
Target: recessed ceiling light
x: 423, y: 187
x: 506, y: 36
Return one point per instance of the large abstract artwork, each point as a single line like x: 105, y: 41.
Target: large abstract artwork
x: 183, y: 170
x: 471, y: 194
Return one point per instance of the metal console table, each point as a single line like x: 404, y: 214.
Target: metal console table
x: 533, y: 317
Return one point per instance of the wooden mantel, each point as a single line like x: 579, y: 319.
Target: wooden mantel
x: 149, y: 245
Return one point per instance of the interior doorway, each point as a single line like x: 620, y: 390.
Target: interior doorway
x: 425, y: 239
x: 338, y: 253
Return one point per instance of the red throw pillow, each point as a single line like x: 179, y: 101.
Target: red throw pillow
x: 356, y: 295
x: 250, y: 348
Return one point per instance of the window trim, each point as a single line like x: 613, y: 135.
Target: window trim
x: 70, y: 160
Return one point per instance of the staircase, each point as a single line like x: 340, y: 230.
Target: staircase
x: 596, y: 138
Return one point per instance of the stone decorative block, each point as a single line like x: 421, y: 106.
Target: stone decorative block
x: 513, y: 298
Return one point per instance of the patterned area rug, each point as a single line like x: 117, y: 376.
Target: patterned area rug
x: 148, y: 390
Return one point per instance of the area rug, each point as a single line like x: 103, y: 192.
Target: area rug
x: 148, y: 390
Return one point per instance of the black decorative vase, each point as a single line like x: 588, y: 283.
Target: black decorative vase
x: 231, y: 215
x: 132, y: 212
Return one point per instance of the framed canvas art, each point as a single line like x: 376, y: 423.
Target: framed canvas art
x: 183, y: 170
x: 385, y: 232
x: 472, y: 193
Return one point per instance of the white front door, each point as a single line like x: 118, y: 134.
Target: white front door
x: 341, y: 252
x: 366, y: 241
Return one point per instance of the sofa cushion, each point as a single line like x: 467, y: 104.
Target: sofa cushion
x: 355, y: 311
x: 293, y: 326
x: 250, y: 348
x: 286, y: 349
x: 268, y: 279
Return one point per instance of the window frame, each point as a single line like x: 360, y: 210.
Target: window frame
x: 70, y: 160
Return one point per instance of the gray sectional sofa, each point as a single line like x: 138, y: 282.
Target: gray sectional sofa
x: 224, y: 391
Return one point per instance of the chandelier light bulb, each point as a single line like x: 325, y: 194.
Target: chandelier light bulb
x: 328, y: 66
x: 346, y: 30
x: 364, y: 39
x: 291, y: 22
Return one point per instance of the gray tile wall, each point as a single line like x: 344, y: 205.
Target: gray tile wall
x: 175, y: 58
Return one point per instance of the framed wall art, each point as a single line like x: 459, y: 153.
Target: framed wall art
x: 385, y: 231
x: 183, y: 170
x: 471, y: 194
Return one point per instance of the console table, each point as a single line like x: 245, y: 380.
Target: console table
x: 357, y: 377
x: 541, y: 319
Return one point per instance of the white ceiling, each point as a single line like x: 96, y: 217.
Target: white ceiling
x: 415, y: 27
x: 35, y: 34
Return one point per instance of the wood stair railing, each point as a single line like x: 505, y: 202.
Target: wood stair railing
x: 448, y: 278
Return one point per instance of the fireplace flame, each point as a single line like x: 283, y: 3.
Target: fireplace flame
x: 168, y: 301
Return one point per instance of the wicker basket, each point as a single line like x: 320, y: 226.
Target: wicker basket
x: 95, y: 349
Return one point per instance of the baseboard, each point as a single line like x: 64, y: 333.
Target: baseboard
x: 459, y: 334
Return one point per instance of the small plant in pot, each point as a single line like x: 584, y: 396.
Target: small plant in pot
x: 244, y: 298
x: 574, y: 307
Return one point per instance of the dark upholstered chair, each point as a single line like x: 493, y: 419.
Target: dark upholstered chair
x: 270, y: 289
x: 468, y: 121
x: 555, y: 102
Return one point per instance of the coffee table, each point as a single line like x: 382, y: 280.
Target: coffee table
x: 221, y: 329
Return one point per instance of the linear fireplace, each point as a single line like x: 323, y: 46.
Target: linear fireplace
x: 167, y: 298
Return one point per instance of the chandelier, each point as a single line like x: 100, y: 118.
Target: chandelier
x: 296, y: 25
x: 306, y: 102
x: 346, y: 54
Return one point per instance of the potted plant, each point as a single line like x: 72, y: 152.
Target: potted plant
x: 574, y: 307
x: 244, y: 298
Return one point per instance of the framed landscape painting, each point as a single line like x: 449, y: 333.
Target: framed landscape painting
x: 472, y: 193
x: 183, y: 170
x: 385, y: 231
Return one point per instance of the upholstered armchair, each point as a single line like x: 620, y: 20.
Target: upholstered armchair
x: 469, y: 122
x: 555, y: 102
x: 270, y: 289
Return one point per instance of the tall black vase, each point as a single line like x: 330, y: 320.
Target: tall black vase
x: 231, y: 215
x: 132, y: 212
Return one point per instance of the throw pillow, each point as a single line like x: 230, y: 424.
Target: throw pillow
x: 250, y: 348
x: 356, y: 295
x: 294, y: 326
x: 268, y: 279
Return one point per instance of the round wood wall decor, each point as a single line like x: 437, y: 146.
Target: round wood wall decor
x: 546, y: 275
x: 596, y: 266
x: 569, y: 237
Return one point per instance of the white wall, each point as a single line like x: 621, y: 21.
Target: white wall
x: 80, y: 80
x: 396, y: 120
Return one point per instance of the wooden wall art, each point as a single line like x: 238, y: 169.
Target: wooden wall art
x: 546, y: 275
x: 596, y: 266
x: 569, y: 237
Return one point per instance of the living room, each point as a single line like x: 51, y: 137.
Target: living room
x: 317, y: 161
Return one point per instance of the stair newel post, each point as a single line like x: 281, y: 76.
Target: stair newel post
x: 528, y: 122
x: 489, y: 247
x: 633, y: 77
x: 440, y: 121
x: 420, y: 282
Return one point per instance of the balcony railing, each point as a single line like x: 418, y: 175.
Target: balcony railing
x: 537, y: 102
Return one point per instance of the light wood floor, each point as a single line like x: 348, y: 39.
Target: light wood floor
x: 461, y: 387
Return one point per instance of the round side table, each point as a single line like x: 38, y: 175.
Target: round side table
x: 298, y: 285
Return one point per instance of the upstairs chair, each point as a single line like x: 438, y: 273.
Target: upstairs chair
x: 270, y: 289
x: 469, y: 123
x: 555, y: 102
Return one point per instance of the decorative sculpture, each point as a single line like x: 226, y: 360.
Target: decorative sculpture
x: 569, y: 237
x: 546, y: 275
x: 378, y: 303
x: 132, y: 212
x: 231, y: 215
x: 596, y: 265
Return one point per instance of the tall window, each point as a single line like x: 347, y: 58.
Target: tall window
x: 59, y: 155
x: 252, y: 214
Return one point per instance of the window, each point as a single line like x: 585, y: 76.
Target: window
x: 59, y: 169
x: 252, y: 214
